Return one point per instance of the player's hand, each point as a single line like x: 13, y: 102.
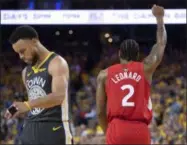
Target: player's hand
x: 21, y: 107
x: 158, y: 11
x: 7, y: 114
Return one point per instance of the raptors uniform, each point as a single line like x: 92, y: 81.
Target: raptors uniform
x: 45, y: 126
x: 129, y: 108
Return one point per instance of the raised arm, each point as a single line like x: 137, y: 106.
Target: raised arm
x: 101, y: 100
x: 155, y: 57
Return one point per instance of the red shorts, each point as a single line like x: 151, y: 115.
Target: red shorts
x: 127, y: 132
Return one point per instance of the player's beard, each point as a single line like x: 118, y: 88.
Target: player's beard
x: 34, y: 60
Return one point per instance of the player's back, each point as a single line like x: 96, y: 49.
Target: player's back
x: 128, y: 104
x: 128, y: 93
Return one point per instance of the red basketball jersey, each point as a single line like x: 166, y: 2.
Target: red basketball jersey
x: 128, y: 93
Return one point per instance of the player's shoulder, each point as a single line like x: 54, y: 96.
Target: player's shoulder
x: 102, y: 75
x: 58, y: 61
x: 24, y: 71
x: 58, y: 64
x: 113, y: 66
x: 136, y: 63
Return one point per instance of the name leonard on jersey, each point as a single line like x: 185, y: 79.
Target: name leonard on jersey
x: 126, y: 75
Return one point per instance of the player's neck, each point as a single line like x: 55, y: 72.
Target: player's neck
x: 42, y: 54
x: 123, y: 61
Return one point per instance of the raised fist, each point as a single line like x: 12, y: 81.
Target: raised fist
x: 158, y: 11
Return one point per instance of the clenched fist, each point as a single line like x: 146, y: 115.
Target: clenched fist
x: 158, y: 11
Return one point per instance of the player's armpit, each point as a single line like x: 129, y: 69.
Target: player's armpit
x: 23, y: 75
x: 59, y: 71
x: 101, y: 100
x: 23, y: 79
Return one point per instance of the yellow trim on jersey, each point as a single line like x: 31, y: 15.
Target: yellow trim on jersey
x: 37, y: 69
x: 28, y: 75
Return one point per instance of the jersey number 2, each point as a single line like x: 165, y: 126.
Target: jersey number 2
x: 125, y: 99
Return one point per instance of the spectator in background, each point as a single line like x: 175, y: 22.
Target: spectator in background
x: 168, y: 95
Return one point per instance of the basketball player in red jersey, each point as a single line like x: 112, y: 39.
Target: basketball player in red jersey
x: 123, y: 90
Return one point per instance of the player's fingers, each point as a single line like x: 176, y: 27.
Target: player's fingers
x: 15, y: 105
x: 16, y: 115
x: 7, y: 115
x: 154, y: 7
x: 160, y: 7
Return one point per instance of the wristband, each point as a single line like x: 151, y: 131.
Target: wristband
x: 28, y: 106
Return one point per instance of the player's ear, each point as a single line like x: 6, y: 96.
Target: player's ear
x: 34, y: 41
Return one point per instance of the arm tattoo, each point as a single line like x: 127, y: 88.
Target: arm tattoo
x: 157, y: 51
x: 161, y: 33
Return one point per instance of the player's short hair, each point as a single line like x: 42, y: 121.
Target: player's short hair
x: 129, y: 50
x: 23, y: 32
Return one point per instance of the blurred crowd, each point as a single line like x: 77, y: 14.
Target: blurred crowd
x: 168, y: 97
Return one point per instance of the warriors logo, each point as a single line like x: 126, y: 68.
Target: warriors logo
x: 36, y: 92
